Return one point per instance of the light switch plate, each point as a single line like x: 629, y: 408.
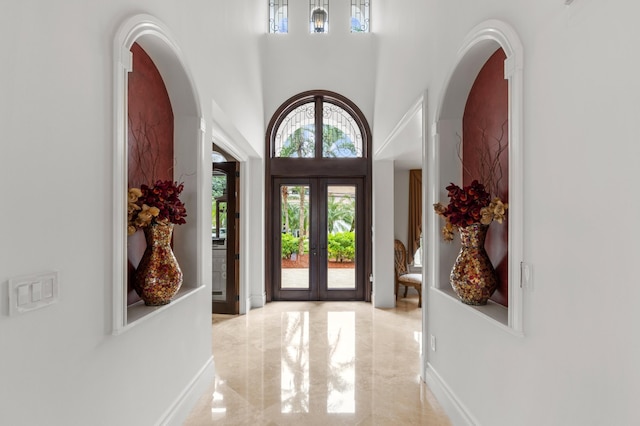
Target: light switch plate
x: 526, y: 271
x: 31, y: 292
x: 24, y: 297
x: 47, y: 289
x: 36, y: 291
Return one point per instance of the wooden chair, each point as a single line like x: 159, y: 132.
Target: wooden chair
x: 402, y: 274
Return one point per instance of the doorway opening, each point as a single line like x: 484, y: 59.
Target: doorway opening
x: 318, y: 200
x: 224, y: 234
x: 321, y: 243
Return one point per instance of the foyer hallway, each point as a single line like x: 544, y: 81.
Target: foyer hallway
x: 318, y: 363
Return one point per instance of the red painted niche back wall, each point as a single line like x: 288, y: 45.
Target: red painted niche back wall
x: 150, y: 140
x: 150, y: 137
x: 487, y: 110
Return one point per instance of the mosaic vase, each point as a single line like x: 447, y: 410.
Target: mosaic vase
x: 473, y: 277
x: 158, y: 277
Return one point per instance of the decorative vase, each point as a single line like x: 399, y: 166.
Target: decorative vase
x: 158, y: 277
x: 473, y: 277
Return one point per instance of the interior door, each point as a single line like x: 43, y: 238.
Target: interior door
x: 224, y: 292
x: 318, y: 239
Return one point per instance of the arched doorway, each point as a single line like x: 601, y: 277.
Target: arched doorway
x: 318, y: 200
x: 155, y: 39
x: 485, y: 40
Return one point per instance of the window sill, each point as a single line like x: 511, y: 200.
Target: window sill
x: 139, y: 312
x: 492, y: 312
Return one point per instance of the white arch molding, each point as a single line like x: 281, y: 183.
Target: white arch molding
x: 190, y: 158
x: 443, y: 165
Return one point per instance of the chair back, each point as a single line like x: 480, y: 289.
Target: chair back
x: 400, y: 258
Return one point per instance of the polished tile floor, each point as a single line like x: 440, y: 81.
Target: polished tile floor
x: 318, y: 363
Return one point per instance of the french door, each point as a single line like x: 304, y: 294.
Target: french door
x: 224, y: 241
x: 318, y: 239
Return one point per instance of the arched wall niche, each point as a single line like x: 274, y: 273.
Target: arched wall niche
x: 444, y: 165
x: 190, y: 159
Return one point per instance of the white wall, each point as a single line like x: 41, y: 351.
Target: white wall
x: 403, y: 67
x: 401, y: 205
x: 338, y: 60
x: 228, y: 57
x: 253, y: 239
x: 60, y: 365
x: 577, y: 363
x: 383, y: 217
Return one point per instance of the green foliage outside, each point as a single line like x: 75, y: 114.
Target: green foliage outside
x: 335, y: 144
x: 340, y: 210
x: 301, y: 143
x: 218, y: 186
x: 289, y: 245
x: 342, y: 246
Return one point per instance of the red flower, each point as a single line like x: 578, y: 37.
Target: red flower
x: 469, y: 205
x: 164, y: 195
x: 465, y: 203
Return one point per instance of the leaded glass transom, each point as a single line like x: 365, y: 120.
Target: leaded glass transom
x: 295, y: 136
x: 217, y: 157
x: 278, y: 16
x: 341, y: 136
x: 360, y: 20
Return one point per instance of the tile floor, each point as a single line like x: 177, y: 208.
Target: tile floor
x: 318, y: 363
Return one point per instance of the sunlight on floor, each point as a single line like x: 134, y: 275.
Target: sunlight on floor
x: 319, y: 363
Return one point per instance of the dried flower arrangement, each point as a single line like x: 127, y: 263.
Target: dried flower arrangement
x: 469, y: 205
x: 474, y: 203
x: 158, y: 204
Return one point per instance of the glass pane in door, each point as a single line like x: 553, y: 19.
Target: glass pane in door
x: 294, y: 239
x: 218, y: 235
x: 341, y: 237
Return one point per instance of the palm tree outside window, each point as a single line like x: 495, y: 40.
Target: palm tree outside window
x: 296, y: 136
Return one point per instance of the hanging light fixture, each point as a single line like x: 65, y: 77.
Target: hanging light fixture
x: 319, y: 18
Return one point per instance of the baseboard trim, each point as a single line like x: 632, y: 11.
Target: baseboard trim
x: 180, y: 409
x: 257, y: 300
x: 455, y: 409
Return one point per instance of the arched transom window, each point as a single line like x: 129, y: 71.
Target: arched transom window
x: 318, y: 119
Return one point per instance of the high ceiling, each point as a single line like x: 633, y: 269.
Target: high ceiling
x: 404, y: 145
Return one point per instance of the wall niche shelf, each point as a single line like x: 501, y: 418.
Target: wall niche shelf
x: 139, y: 312
x: 191, y: 240
x: 494, y: 313
x: 443, y: 165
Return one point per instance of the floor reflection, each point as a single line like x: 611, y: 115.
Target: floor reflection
x: 304, y: 363
x: 339, y: 353
x: 294, y: 370
x: 341, y: 342
x: 218, y: 408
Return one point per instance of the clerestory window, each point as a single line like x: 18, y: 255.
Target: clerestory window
x: 360, y: 19
x: 319, y: 16
x: 278, y: 16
